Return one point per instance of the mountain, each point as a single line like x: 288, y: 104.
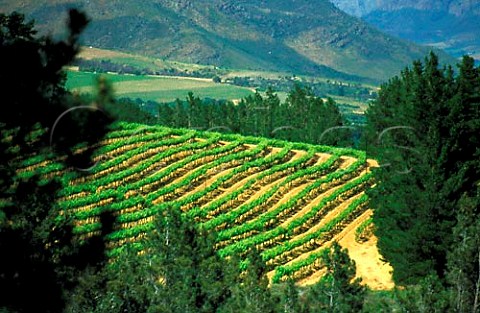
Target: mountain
x: 298, y: 36
x: 357, y: 8
x: 364, y: 7
x: 453, y: 25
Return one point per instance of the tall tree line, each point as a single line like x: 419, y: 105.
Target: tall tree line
x: 425, y: 128
x: 302, y: 117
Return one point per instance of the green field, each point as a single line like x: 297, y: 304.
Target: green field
x: 160, y: 89
x: 143, y: 62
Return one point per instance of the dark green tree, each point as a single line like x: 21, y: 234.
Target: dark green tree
x: 40, y: 261
x: 314, y: 120
x: 180, y: 116
x: 249, y: 291
x: 273, y: 118
x: 464, y: 258
x: 290, y: 300
x: 303, y: 117
x: 193, y: 278
x: 429, y: 295
x: 129, y: 284
x: 298, y: 103
x: 423, y: 130
x: 166, y: 115
x: 339, y: 290
x: 197, y: 113
x: 125, y: 109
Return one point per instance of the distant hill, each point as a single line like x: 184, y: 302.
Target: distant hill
x: 453, y: 25
x: 365, y: 7
x: 298, y: 36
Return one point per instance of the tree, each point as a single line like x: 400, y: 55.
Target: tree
x: 423, y: 128
x: 196, y: 112
x: 464, y: 259
x: 273, y: 119
x: 193, y: 277
x: 429, y: 295
x: 290, y: 302
x: 40, y: 260
x: 298, y: 105
x: 339, y: 290
x: 250, y: 292
x: 180, y: 117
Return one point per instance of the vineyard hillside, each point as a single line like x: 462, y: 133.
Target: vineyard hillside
x: 288, y: 200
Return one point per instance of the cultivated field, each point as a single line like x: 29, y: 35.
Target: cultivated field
x: 157, y: 88
x: 140, y: 61
x: 288, y: 200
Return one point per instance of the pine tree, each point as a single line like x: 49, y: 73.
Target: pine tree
x: 272, y: 102
x: 127, y: 285
x: 428, y: 296
x: 290, y: 302
x: 211, y: 274
x: 422, y: 129
x: 166, y: 115
x: 339, y: 290
x: 250, y: 293
x: 39, y: 261
x: 180, y: 116
x: 197, y: 113
x: 191, y: 276
x: 298, y: 105
x: 464, y: 258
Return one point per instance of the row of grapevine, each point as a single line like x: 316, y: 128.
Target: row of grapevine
x: 288, y: 200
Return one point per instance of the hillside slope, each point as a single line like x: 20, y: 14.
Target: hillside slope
x: 364, y: 7
x: 453, y: 25
x: 287, y: 200
x: 299, y: 36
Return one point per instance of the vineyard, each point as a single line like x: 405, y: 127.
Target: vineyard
x: 288, y: 200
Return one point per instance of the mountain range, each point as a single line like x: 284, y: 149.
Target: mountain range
x: 297, y: 36
x: 452, y: 25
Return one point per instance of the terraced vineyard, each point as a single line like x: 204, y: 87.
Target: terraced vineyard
x: 288, y: 200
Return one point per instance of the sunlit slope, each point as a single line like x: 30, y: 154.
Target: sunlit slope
x: 288, y: 200
x: 302, y: 37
